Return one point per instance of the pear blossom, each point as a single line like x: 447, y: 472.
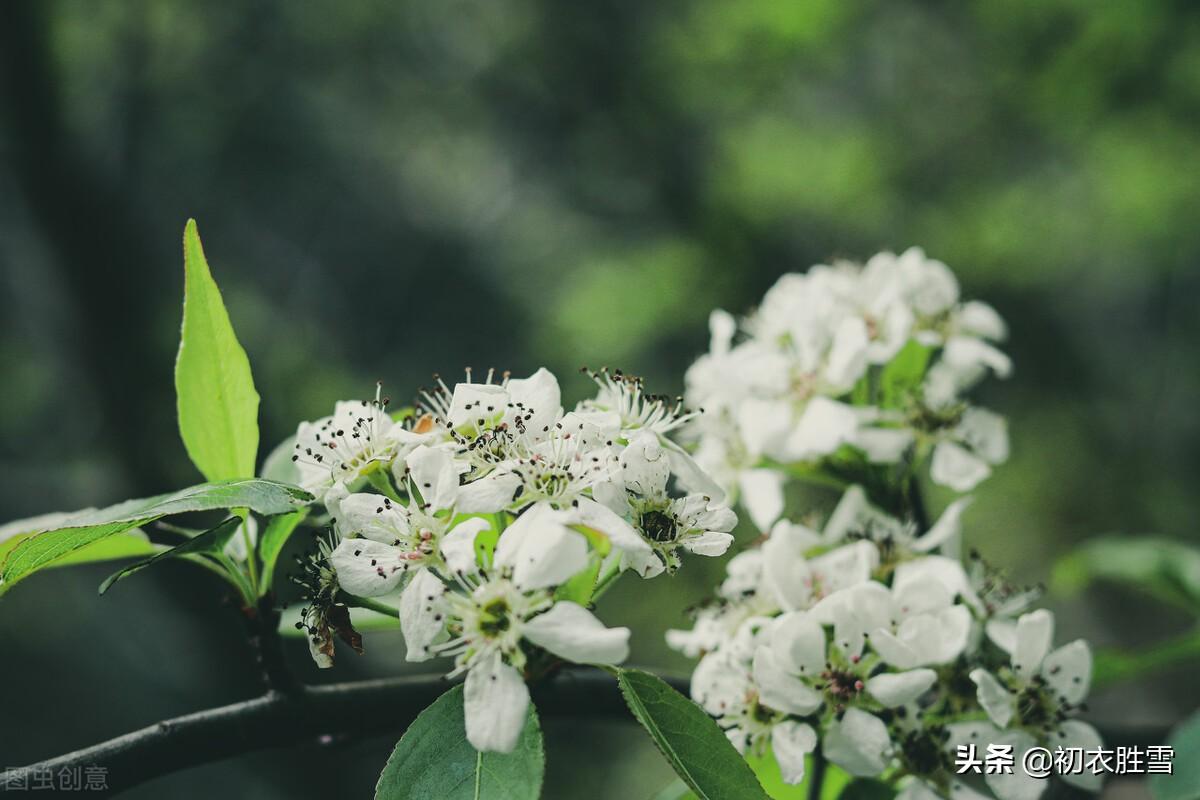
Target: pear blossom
x: 694, y: 523
x: 341, y: 448
x: 1032, y: 701
x: 382, y: 539
x: 484, y: 620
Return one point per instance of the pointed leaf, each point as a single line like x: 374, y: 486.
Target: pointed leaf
x: 216, y: 400
x: 80, y: 530
x: 689, y: 739
x: 210, y: 541
x: 434, y: 759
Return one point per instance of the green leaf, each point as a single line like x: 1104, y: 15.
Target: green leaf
x: 271, y: 543
x: 1184, y: 783
x: 217, y: 403
x: 130, y: 543
x: 434, y: 759
x: 1169, y: 570
x: 867, y: 789
x: 79, y: 531
x: 210, y: 541
x: 689, y: 739
x: 903, y: 374
x: 578, y: 588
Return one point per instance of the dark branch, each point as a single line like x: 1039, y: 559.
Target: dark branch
x: 279, y: 720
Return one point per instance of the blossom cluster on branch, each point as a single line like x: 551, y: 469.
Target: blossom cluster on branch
x: 867, y: 638
x: 499, y: 517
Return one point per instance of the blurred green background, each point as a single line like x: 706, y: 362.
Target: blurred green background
x: 388, y: 190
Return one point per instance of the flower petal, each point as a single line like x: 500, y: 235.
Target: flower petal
x: 495, y: 702
x: 1068, y: 670
x: 762, y: 495
x: 458, y: 545
x: 540, y: 549
x: 433, y: 471
x: 858, y: 743
x: 489, y: 494
x: 957, y: 467
x: 422, y: 614
x: 367, y: 568
x: 1035, y: 632
x: 572, y: 632
x: 711, y: 543
x: 791, y: 742
x: 779, y: 689
x: 899, y: 688
x: 1074, y: 733
x: 992, y: 695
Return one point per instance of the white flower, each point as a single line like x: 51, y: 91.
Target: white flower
x: 967, y: 452
x: 1033, y: 700
x: 340, y: 448
x: 382, y: 540
x: 724, y: 685
x: 693, y: 523
x: 485, y: 628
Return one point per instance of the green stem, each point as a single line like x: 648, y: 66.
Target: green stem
x: 817, y: 779
x: 251, y: 553
x: 354, y: 601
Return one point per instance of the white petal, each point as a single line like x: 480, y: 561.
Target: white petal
x: 898, y: 688
x: 982, y: 320
x: 489, y: 494
x: 458, y: 545
x: 718, y: 685
x: 965, y: 353
x: 367, y: 568
x: 858, y: 743
x: 1017, y: 785
x: 540, y: 549
x: 947, y: 528
x: 436, y: 476
x: 422, y: 614
x: 1035, y: 632
x: 711, y: 543
x: 955, y: 466
x: 690, y: 476
x: 941, y: 571
x: 986, y: 433
x: 572, y: 632
x: 791, y: 742
x: 883, y: 445
x: 372, y: 516
x: 475, y: 406
x: 798, y: 641
x: 537, y: 400
x: 847, y: 356
x: 994, y: 698
x: 1003, y: 633
x: 781, y: 690
x: 762, y: 495
x: 1074, y: 733
x: 495, y: 702
x: 1068, y: 670
x: 823, y: 427
x: 645, y: 466
x: 601, y: 518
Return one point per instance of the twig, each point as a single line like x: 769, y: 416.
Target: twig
x: 280, y: 719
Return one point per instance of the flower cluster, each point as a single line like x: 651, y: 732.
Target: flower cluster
x: 863, y: 638
x: 849, y: 363
x: 867, y: 638
x: 498, y: 518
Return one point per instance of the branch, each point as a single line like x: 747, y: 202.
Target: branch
x: 279, y: 720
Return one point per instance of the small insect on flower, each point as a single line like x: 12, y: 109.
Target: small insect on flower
x: 323, y: 615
